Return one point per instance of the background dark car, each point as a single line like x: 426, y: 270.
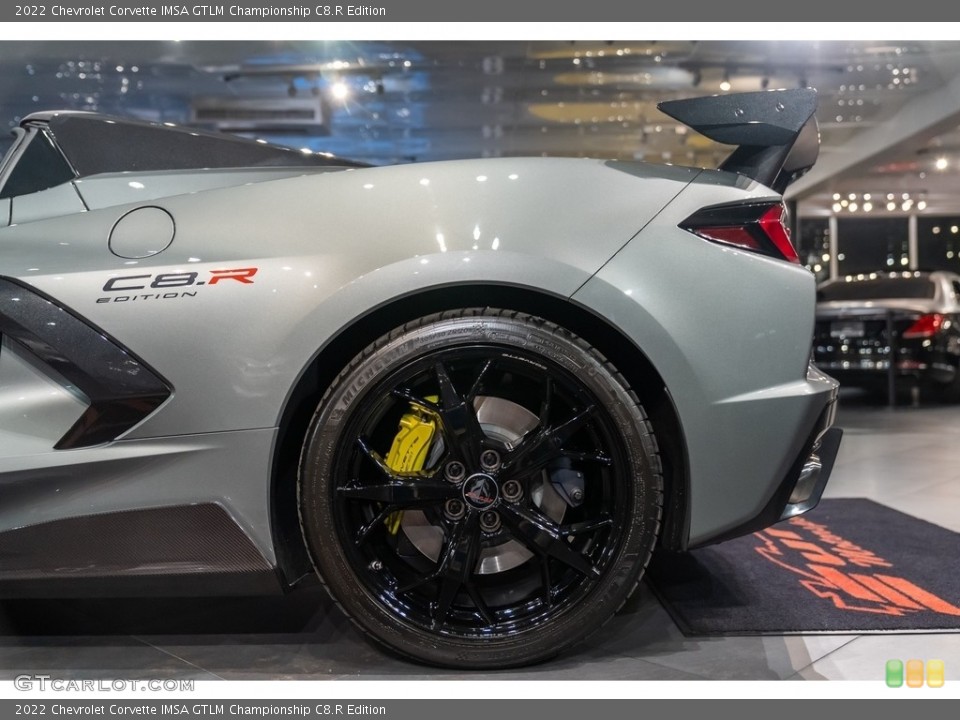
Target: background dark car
x: 852, y: 341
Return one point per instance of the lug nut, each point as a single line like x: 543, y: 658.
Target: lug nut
x: 490, y: 521
x: 511, y: 491
x: 455, y: 471
x: 490, y: 460
x: 454, y: 509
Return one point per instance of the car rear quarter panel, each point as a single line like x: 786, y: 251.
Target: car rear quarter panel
x: 729, y: 331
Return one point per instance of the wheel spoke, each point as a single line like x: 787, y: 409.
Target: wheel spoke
x: 413, y: 399
x: 538, y: 450
x: 545, y: 580
x: 454, y: 567
x: 401, y: 490
x: 377, y: 459
x: 402, y: 494
x: 482, y: 608
x: 457, y: 565
x: 582, y: 528
x: 475, y: 388
x: 364, y: 532
x: 588, y: 457
x: 458, y: 420
x: 547, y: 402
x: 545, y: 537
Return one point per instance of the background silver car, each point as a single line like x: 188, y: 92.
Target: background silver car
x: 475, y: 394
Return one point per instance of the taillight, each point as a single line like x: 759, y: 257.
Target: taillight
x: 926, y: 326
x: 759, y: 227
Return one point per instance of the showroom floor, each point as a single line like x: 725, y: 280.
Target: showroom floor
x: 908, y: 459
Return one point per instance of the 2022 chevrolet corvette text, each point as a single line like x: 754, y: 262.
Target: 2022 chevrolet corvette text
x: 473, y: 395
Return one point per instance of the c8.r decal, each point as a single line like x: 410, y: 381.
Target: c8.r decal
x: 243, y: 275
x: 166, y: 286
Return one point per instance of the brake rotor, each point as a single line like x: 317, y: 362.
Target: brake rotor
x: 506, y: 422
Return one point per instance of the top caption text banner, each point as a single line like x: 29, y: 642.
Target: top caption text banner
x: 736, y: 12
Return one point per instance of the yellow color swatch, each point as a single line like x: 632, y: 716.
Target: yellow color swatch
x: 935, y: 673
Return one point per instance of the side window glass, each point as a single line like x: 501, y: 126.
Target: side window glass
x: 956, y: 289
x: 41, y: 166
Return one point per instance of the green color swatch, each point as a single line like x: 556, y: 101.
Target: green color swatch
x: 894, y: 673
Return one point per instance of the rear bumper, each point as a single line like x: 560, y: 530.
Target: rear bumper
x: 802, y: 486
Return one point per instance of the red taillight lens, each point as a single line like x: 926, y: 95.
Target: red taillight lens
x: 759, y: 227
x: 926, y: 326
x: 774, y: 225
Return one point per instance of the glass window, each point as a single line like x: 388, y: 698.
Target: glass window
x: 872, y: 245
x: 41, y: 166
x: 938, y: 243
x: 95, y: 144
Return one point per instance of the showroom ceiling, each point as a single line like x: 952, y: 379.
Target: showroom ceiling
x: 888, y: 110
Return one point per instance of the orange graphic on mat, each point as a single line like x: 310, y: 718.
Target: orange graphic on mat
x: 848, y: 575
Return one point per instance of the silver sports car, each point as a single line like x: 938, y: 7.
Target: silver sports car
x: 473, y: 396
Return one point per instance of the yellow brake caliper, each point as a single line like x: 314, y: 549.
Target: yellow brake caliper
x: 410, y: 449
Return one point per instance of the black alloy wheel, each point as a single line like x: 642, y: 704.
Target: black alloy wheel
x: 532, y: 514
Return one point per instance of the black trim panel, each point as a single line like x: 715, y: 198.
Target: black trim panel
x: 121, y: 388
x: 173, y: 550
x: 221, y: 584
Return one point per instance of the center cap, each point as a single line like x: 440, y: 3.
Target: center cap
x: 480, y: 491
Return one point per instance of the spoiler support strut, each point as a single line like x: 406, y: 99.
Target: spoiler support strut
x: 775, y: 131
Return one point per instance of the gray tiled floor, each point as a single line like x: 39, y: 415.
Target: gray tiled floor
x: 908, y: 459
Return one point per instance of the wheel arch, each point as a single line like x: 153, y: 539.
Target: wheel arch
x: 629, y: 359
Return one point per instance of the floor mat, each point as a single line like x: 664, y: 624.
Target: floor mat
x: 850, y: 565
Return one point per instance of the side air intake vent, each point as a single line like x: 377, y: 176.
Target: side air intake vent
x: 121, y: 388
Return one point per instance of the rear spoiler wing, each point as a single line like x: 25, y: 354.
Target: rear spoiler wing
x: 775, y: 130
